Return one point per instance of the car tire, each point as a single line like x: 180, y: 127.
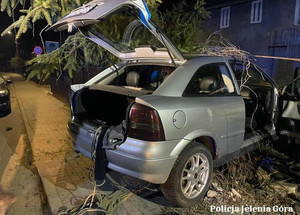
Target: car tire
x: 190, y: 176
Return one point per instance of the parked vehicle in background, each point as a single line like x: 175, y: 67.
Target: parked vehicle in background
x: 5, y: 108
x: 182, y: 116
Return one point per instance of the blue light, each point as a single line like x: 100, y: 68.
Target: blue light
x: 143, y: 18
x: 147, y: 9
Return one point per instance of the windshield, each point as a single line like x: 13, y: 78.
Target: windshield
x: 123, y: 32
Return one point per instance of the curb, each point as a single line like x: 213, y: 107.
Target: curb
x: 44, y: 199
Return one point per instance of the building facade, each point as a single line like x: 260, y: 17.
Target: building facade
x: 261, y: 27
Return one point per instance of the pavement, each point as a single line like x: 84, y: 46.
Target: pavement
x: 18, y: 174
x: 64, y: 172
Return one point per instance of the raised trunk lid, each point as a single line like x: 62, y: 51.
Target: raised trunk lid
x: 100, y: 10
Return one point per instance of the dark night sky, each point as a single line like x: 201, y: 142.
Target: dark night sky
x: 26, y: 42
x: 7, y: 47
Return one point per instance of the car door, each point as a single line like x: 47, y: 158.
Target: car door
x: 212, y: 87
x: 289, y: 121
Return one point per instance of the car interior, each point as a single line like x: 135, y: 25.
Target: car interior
x: 116, y: 95
x: 257, y: 93
x: 289, y: 122
x: 142, y: 77
x: 210, y: 79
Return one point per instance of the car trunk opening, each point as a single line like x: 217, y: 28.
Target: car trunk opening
x: 102, y: 110
x: 104, y: 103
x: 108, y: 99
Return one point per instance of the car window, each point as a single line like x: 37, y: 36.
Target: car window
x: 211, y: 79
x: 147, y: 77
x: 253, y: 76
x: 122, y: 35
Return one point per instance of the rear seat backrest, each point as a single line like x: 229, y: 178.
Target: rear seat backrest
x: 133, y: 79
x: 207, y: 84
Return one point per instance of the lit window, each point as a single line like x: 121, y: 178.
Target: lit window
x: 256, y: 11
x: 225, y: 16
x: 297, y: 13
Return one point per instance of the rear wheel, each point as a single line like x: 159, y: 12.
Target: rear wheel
x: 190, y: 177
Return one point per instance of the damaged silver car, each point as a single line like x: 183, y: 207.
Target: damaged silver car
x: 170, y: 119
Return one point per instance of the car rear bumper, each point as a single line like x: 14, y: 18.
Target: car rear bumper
x: 4, y: 102
x: 140, y: 163
x: 149, y: 161
x: 4, y: 106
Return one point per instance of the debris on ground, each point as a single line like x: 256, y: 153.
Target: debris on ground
x: 266, y: 163
x: 8, y: 128
x: 295, y: 170
x: 284, y: 188
x: 235, y: 193
x: 217, y: 187
x: 211, y: 194
x: 262, y: 176
x: 100, y: 203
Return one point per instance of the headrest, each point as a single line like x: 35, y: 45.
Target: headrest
x: 208, y: 84
x: 133, y: 79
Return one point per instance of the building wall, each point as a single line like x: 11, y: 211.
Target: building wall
x: 256, y: 38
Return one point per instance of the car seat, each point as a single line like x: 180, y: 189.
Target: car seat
x: 133, y: 79
x: 207, y: 85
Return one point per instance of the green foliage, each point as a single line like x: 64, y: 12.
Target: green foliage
x: 17, y: 62
x: 183, y: 26
x: 16, y: 24
x: 77, y: 52
x: 9, y: 5
x: 50, y: 10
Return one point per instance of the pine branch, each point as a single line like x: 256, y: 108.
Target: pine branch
x: 47, y: 16
x: 14, y: 25
x: 5, y: 4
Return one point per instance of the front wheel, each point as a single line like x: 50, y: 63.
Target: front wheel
x: 190, y: 176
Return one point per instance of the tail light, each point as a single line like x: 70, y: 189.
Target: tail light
x: 145, y: 124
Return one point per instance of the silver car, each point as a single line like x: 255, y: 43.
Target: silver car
x: 171, y: 119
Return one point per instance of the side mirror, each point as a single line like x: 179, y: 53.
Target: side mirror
x: 9, y: 82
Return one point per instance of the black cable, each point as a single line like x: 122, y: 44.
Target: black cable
x: 172, y: 59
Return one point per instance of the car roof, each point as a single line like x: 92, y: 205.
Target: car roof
x: 227, y: 58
